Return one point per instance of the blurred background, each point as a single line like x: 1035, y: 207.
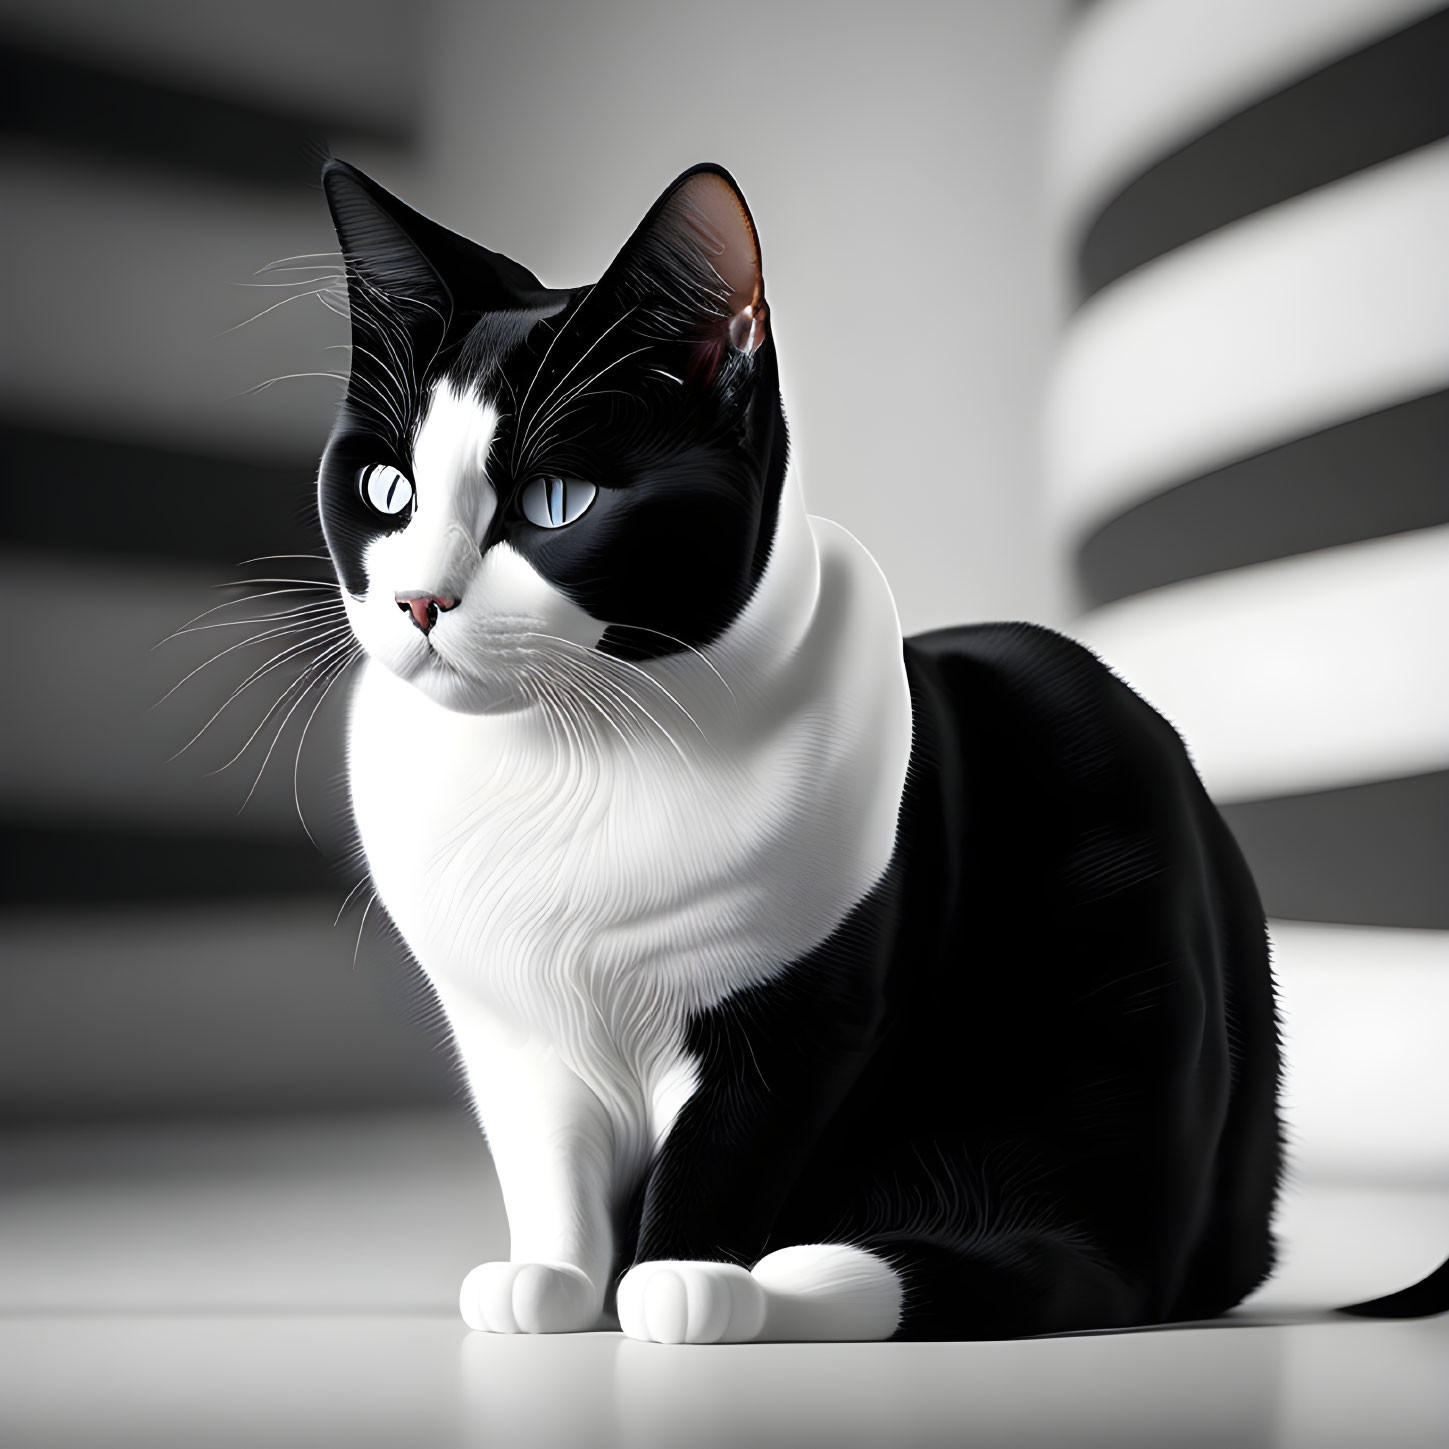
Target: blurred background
x: 1130, y: 317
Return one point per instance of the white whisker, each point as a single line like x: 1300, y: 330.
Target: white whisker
x: 229, y: 604
x: 288, y: 376
x: 698, y: 654
x: 527, y: 392
x: 347, y: 899
x: 283, y: 264
x: 301, y: 680
x: 275, y: 662
x: 591, y: 662
x: 282, y: 302
x: 337, y: 674
x: 358, y: 947
x: 304, y: 611
x: 313, y: 676
x: 258, y: 638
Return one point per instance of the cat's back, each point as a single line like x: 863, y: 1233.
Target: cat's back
x: 1052, y: 813
x: 1042, y: 701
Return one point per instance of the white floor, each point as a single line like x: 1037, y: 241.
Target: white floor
x: 291, y: 1283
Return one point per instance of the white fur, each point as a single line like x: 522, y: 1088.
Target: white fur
x: 575, y: 886
x: 816, y: 1291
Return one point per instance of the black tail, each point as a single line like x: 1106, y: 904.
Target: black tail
x: 1427, y: 1297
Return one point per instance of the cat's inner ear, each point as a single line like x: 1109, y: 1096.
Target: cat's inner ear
x: 698, y: 248
x: 386, y: 266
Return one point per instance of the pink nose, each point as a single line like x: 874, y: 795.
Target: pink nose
x: 424, y: 608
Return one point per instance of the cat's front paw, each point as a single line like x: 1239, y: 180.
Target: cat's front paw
x: 528, y: 1298
x: 685, y: 1302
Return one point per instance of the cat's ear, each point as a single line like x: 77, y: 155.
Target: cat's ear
x: 694, y: 263
x: 396, y: 256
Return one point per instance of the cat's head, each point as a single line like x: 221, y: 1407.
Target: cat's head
x: 521, y: 475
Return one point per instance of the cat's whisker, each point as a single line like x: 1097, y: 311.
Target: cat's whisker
x: 365, y: 910
x: 546, y: 409
x: 337, y: 674
x: 537, y: 373
x: 325, y: 279
x: 228, y: 604
x: 388, y: 316
x: 614, y: 662
x: 281, y: 302
x: 381, y: 419
x: 593, y: 659
x: 302, y: 682
x: 564, y: 407
x: 331, y: 584
x: 569, y: 687
x: 275, y: 662
x: 590, y: 664
x: 314, y: 675
x: 586, y: 389
x: 561, y: 718
x: 544, y: 438
x: 616, y: 689
x: 288, y: 377
x: 272, y: 557
x: 398, y: 373
x: 283, y: 264
x: 347, y: 899
x: 262, y: 670
x: 698, y: 654
x: 306, y: 611
x: 563, y: 684
x: 394, y: 408
x: 522, y: 444
x: 258, y: 638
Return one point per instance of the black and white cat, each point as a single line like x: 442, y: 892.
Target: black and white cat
x: 808, y: 984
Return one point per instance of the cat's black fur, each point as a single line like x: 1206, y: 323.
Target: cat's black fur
x: 1036, y: 1068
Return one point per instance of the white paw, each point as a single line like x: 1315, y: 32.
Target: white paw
x: 528, y: 1298
x: 683, y: 1302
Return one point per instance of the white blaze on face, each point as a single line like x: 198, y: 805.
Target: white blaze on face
x: 438, y: 551
x: 470, y: 659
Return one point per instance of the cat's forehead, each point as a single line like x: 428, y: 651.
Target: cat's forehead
x: 500, y: 348
x: 453, y: 439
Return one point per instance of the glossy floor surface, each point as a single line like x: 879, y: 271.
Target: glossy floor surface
x: 292, y: 1284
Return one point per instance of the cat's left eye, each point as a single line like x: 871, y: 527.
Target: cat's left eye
x: 388, y: 490
x: 553, y: 502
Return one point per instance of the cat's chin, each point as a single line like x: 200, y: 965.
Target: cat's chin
x: 463, y: 693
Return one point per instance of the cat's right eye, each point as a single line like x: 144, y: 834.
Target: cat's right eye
x: 386, y: 489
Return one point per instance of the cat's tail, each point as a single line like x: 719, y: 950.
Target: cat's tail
x: 1424, y: 1299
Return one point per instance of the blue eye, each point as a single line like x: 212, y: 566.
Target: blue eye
x: 386, y: 489
x: 553, y: 502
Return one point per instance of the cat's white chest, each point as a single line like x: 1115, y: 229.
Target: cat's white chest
x: 525, y: 871
x: 584, y: 896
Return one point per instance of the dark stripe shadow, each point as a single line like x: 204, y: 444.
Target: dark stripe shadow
x: 1370, y: 855
x: 106, y: 866
x: 67, y: 102
x: 93, y: 495
x: 1388, y: 98
x: 1372, y: 476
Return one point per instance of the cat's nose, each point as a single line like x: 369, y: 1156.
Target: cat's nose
x: 424, y: 608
